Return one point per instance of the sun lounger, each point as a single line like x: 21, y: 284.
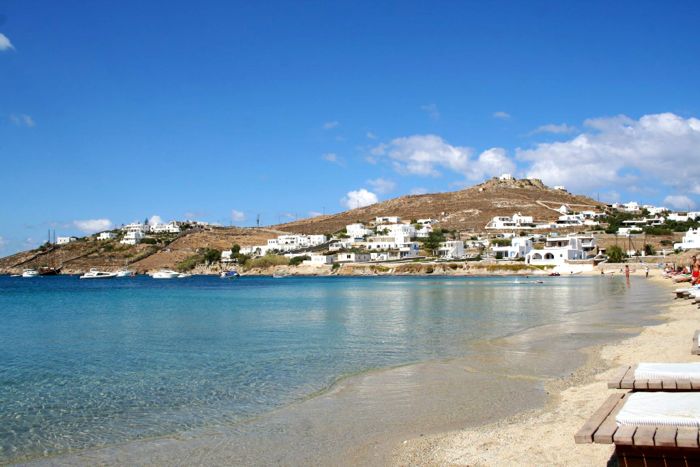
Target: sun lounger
x: 657, y: 430
x: 658, y: 377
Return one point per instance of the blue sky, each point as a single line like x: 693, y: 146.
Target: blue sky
x: 220, y: 111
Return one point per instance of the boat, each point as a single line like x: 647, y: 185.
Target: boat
x: 229, y: 274
x: 30, y: 273
x: 49, y: 271
x: 165, y: 274
x: 97, y: 274
x: 554, y: 274
x: 125, y: 273
x: 183, y: 275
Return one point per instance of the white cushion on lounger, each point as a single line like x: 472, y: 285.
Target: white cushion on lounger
x: 667, y: 371
x: 661, y: 409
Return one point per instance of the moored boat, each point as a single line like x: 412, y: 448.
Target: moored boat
x: 49, y: 271
x: 30, y: 273
x: 125, y: 273
x: 229, y: 274
x: 165, y: 274
x: 97, y: 274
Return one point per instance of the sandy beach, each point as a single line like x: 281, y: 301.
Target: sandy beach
x: 546, y: 436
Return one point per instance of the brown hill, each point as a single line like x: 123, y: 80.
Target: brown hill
x: 465, y: 210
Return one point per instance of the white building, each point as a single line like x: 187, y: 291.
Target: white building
x: 65, y: 240
x: 690, y: 240
x: 519, y: 247
x: 132, y: 237
x: 399, y: 230
x: 654, y: 210
x: 170, y: 227
x: 516, y: 221
x: 352, y: 257
x: 506, y: 177
x: 387, y: 220
x: 227, y: 256
x: 424, y: 230
x: 632, y: 206
x: 357, y: 231
x: 451, y: 249
x: 319, y: 260
x: 560, y: 187
x: 106, y: 236
x: 558, y: 250
x: 569, y: 220
x: 136, y: 227
x: 564, y: 209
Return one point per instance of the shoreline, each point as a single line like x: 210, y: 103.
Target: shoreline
x: 545, y: 436
x: 443, y: 380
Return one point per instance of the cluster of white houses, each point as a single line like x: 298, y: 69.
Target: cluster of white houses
x: 565, y: 219
x: 387, y: 238
x: 135, y: 232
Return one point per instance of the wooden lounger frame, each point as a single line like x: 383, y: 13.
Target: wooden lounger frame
x: 640, y: 445
x: 624, y: 379
x: 695, y: 350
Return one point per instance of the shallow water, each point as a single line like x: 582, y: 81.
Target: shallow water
x: 231, y: 364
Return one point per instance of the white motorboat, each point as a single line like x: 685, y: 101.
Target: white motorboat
x: 125, y: 273
x: 165, y: 274
x: 229, y: 274
x: 97, y: 274
x: 30, y: 273
x: 184, y: 275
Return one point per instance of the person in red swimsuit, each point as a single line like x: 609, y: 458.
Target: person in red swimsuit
x: 695, y: 274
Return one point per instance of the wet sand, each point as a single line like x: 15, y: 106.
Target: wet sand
x: 545, y: 436
x: 363, y: 419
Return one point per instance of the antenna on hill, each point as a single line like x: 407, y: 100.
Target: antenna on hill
x: 257, y: 220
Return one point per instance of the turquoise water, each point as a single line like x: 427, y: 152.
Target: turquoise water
x: 93, y: 363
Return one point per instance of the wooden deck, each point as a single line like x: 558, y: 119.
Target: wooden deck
x: 624, y: 379
x: 640, y: 445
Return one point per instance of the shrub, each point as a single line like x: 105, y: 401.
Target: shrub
x: 267, y: 261
x: 615, y: 254
x: 149, y: 241
x: 297, y: 260
x: 649, y: 250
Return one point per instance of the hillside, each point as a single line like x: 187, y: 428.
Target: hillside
x: 465, y: 210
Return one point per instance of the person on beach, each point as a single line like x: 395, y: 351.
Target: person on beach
x: 646, y: 272
x: 627, y: 271
x: 695, y: 274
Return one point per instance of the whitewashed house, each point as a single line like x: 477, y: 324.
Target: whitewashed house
x: 357, y: 231
x: 505, y: 177
x: 558, y: 250
x: 569, y: 220
x: 319, y: 260
x: 632, y: 206
x: 399, y: 230
x: 136, y: 227
x: 654, y: 210
x: 170, y: 227
x: 227, y: 256
x: 516, y: 221
x: 352, y: 257
x: 106, y: 236
x: 690, y: 240
x: 559, y: 187
x: 132, y: 237
x: 564, y: 209
x: 519, y: 247
x: 387, y: 220
x: 65, y: 240
x: 451, y: 249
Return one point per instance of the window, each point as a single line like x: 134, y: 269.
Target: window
x: 549, y: 256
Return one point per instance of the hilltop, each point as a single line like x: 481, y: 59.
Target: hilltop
x: 464, y: 210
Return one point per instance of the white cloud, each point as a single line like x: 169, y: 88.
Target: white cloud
x: 424, y: 154
x: 155, y: 220
x: 5, y: 43
x: 330, y: 125
x: 371, y: 135
x: 679, y: 202
x: 237, y: 216
x: 622, y: 152
x: 501, y: 115
x: 553, y: 128
x: 382, y: 185
x: 358, y: 199
x: 91, y: 226
x: 333, y: 158
x: 22, y: 120
x: 418, y: 191
x: 432, y: 111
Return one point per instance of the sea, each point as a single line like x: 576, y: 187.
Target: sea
x: 292, y: 370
